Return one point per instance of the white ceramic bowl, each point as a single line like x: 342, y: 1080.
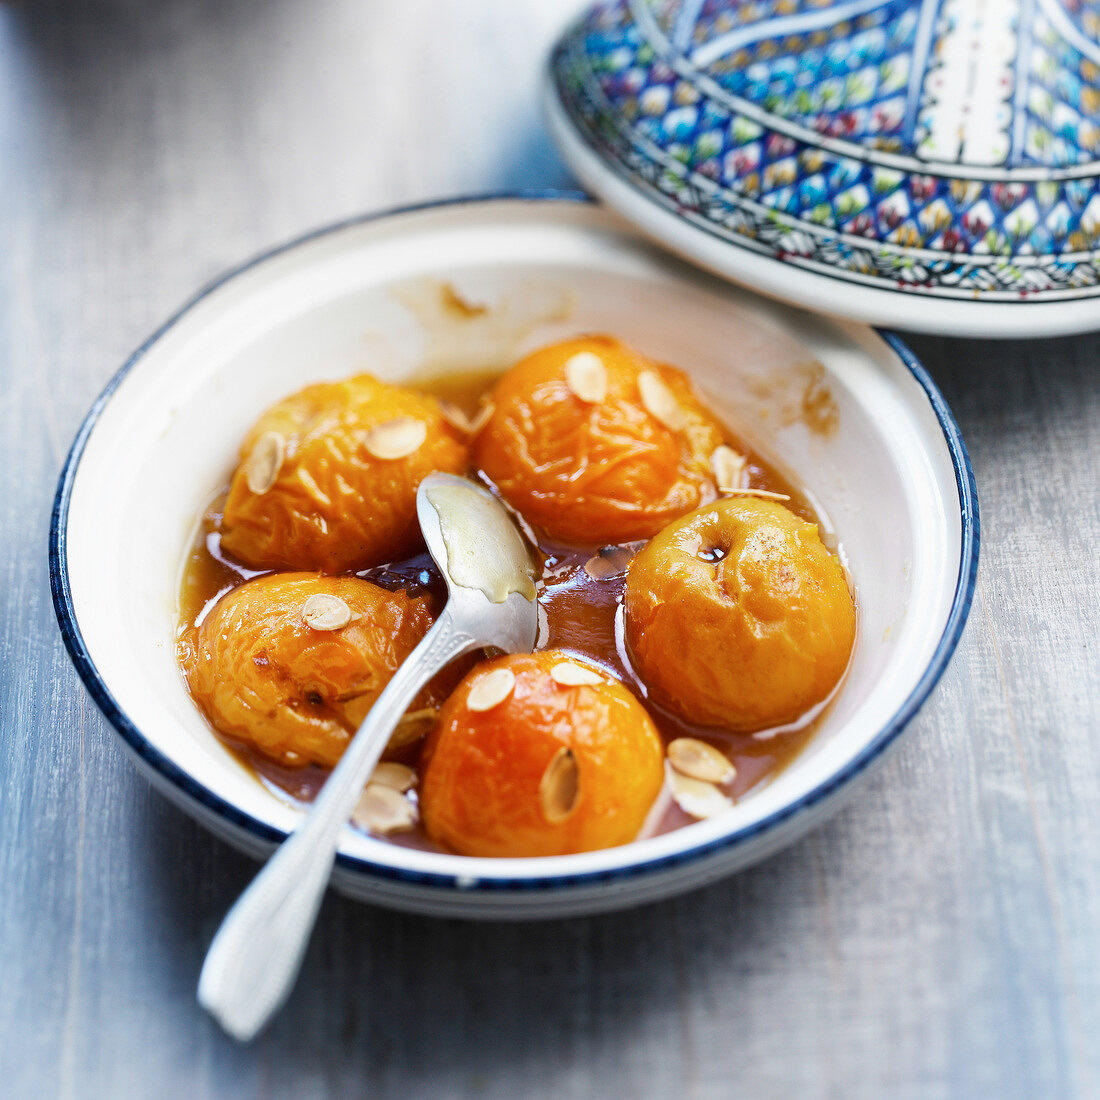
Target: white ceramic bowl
x: 373, y: 294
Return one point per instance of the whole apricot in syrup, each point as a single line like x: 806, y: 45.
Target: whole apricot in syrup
x: 737, y: 616
x: 593, y: 443
x: 539, y: 754
x: 328, y: 477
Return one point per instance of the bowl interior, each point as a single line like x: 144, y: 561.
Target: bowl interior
x: 476, y: 284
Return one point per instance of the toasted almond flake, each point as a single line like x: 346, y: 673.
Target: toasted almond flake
x: 393, y: 439
x: 586, y: 376
x: 611, y: 561
x: 482, y: 417
x: 491, y: 690
x: 764, y: 494
x: 264, y: 462
x: 406, y: 733
x: 695, y: 797
x: 423, y: 714
x: 323, y: 611
x: 455, y: 416
x: 412, y: 726
x: 728, y: 467
x: 384, y: 810
x: 560, y: 786
x: 390, y: 773
x: 570, y: 674
x: 600, y: 568
x: 698, y: 760
x: 660, y: 402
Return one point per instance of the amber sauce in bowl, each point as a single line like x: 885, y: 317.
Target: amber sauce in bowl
x: 580, y: 596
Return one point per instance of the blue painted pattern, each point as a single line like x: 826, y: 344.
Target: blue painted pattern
x: 941, y: 146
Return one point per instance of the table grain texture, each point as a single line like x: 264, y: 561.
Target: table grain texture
x: 940, y: 937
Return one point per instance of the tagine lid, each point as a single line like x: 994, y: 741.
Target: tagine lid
x: 925, y: 164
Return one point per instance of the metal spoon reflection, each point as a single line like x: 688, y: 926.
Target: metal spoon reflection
x: 256, y: 955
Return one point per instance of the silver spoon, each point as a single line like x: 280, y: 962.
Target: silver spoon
x: 255, y: 957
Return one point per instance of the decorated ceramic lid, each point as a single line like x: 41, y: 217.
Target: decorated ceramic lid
x: 930, y: 164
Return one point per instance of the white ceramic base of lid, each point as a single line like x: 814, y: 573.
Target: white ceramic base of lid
x: 819, y: 289
x: 367, y: 295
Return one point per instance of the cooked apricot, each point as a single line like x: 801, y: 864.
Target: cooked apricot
x: 593, y: 443
x: 737, y: 616
x: 536, y: 755
x: 328, y: 477
x: 290, y: 663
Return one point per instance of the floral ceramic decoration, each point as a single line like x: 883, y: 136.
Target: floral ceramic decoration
x: 947, y: 148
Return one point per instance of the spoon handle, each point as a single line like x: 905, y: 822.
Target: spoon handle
x: 257, y: 952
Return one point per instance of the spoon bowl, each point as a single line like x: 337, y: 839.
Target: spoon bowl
x: 487, y: 567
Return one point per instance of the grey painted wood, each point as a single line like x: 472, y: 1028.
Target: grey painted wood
x: 939, y: 938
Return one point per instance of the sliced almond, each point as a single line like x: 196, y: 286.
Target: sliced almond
x: 695, y: 797
x: 586, y: 376
x: 570, y: 674
x: 390, y: 773
x: 422, y: 714
x: 384, y: 810
x: 698, y: 760
x: 393, y: 439
x: 408, y: 733
x: 609, y: 562
x: 560, y: 786
x: 728, y: 467
x: 265, y: 460
x: 455, y: 416
x: 764, y: 494
x: 599, y: 568
x: 482, y: 417
x: 323, y: 611
x: 412, y: 726
x: 491, y: 690
x: 660, y: 402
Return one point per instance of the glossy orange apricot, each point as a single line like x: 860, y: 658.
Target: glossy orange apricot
x: 328, y: 477
x: 551, y: 768
x: 597, y: 471
x: 290, y: 663
x: 737, y: 616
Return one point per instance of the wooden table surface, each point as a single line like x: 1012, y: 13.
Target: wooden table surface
x: 940, y: 937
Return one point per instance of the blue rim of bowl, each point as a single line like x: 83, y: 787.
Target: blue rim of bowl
x: 207, y: 800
